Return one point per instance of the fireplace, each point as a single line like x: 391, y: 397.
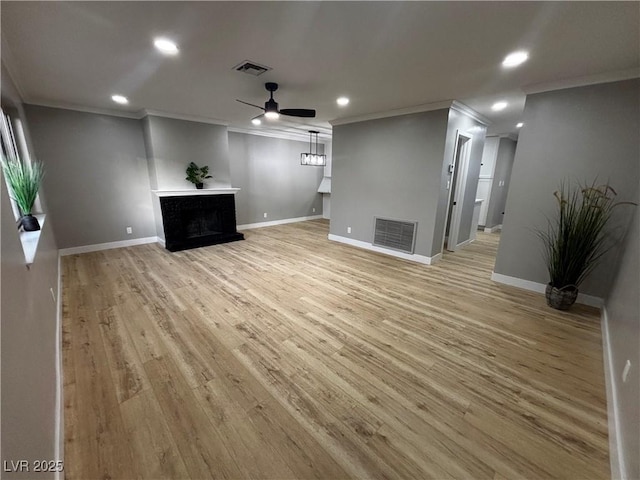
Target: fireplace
x: 192, y: 221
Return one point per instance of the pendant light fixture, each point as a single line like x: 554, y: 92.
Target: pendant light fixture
x: 310, y: 158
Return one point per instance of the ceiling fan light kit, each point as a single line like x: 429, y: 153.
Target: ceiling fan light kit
x: 272, y: 110
x: 312, y: 157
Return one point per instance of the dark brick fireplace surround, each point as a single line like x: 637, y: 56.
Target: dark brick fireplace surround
x: 198, y: 220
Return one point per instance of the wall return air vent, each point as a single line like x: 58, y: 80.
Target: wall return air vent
x: 252, y: 68
x: 395, y: 234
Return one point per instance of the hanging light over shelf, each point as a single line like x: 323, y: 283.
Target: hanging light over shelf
x: 310, y: 158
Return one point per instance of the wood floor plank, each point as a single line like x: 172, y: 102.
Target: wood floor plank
x: 203, y: 451
x: 287, y: 356
x: 100, y: 441
x: 126, y: 369
x: 152, y: 445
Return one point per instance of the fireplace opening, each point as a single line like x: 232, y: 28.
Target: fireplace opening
x: 198, y: 220
x: 201, y: 223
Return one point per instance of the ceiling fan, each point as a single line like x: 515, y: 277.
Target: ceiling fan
x: 271, y: 110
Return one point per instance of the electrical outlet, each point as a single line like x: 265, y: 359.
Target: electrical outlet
x: 53, y: 294
x: 348, y: 229
x: 265, y: 214
x: 129, y: 230
x: 625, y: 371
x: 313, y: 209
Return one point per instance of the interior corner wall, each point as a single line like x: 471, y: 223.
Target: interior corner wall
x: 623, y: 312
x: 458, y: 122
x: 326, y: 197
x: 28, y: 324
x: 578, y: 135
x: 502, y: 173
x: 175, y: 143
x: 390, y: 168
x: 153, y: 179
x: 271, y: 180
x: 97, y: 179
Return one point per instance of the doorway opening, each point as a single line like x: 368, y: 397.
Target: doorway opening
x: 456, y: 185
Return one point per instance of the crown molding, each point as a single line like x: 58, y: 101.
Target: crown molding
x: 510, y: 136
x: 426, y: 107
x: 285, y: 135
x: 606, y: 77
x: 82, y: 108
x: 178, y: 116
x: 470, y: 112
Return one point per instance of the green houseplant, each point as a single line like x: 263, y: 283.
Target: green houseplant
x: 197, y: 175
x: 576, y: 239
x: 24, y: 182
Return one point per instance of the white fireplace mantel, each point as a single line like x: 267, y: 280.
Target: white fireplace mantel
x: 194, y: 191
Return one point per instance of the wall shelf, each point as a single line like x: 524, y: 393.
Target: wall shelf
x: 30, y: 240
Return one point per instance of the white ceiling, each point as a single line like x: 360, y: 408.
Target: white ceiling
x: 382, y: 55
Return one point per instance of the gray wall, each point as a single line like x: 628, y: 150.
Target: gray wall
x: 463, y: 123
x: 389, y: 167
x: 271, y: 179
x: 577, y: 134
x: 28, y: 325
x: 175, y: 143
x: 502, y: 172
x: 623, y: 310
x: 97, y: 180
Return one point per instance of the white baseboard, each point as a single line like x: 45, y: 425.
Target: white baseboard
x: 436, y: 258
x: 493, y: 229
x: 368, y: 246
x: 541, y: 287
x: 465, y: 243
x: 107, y: 246
x: 162, y: 242
x: 249, y: 226
x: 58, y: 447
x: 616, y: 453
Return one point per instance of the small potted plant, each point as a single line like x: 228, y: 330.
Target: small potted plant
x: 197, y: 175
x: 576, y: 239
x: 24, y: 182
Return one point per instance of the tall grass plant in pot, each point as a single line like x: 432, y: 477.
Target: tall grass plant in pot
x: 576, y: 238
x: 24, y: 181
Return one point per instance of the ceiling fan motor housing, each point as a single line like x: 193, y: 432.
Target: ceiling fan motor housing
x: 271, y: 105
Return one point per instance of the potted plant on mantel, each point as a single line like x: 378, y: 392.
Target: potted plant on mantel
x: 24, y: 182
x: 197, y: 175
x: 576, y: 239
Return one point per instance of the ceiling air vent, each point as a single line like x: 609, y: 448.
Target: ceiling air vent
x: 395, y: 234
x: 252, y: 68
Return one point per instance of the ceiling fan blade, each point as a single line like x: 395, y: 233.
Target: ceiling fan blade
x: 250, y: 104
x: 298, y: 112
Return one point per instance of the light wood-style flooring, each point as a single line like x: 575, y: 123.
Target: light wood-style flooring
x: 286, y: 356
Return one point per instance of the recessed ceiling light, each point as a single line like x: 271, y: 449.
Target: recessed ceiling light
x: 520, y: 125
x: 342, y: 101
x: 272, y: 115
x: 120, y: 99
x: 496, y: 107
x: 256, y: 121
x: 166, y: 46
x: 514, y: 59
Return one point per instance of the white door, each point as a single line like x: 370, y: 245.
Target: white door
x: 456, y: 194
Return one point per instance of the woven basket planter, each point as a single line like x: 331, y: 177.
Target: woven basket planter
x: 561, y: 298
